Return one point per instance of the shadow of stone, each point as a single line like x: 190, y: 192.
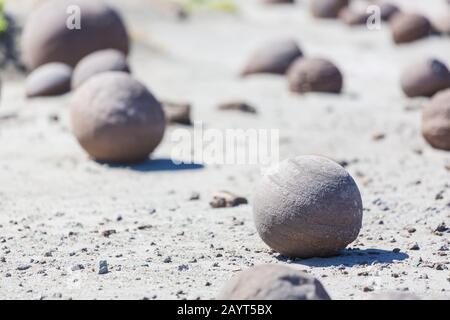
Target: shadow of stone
x: 154, y: 165
x: 352, y: 257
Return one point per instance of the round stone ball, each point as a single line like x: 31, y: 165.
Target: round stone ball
x: 274, y: 57
x: 50, y: 79
x: 52, y: 35
x: 308, y: 207
x: 273, y: 282
x: 116, y: 119
x: 425, y: 78
x: 409, y: 27
x: 99, y: 62
x: 314, y: 75
x: 327, y: 8
x: 436, y: 121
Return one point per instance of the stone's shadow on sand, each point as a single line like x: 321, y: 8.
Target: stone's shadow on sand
x: 352, y: 257
x: 152, y: 165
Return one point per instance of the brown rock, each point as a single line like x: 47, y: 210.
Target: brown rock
x: 46, y: 37
x: 225, y: 199
x: 274, y: 57
x: 327, y: 8
x: 116, y: 119
x: 409, y: 27
x: 98, y: 62
x: 436, y: 121
x: 273, y: 282
x: 308, y: 207
x: 179, y: 113
x: 50, y: 79
x: 237, y: 106
x: 425, y: 78
x: 314, y: 75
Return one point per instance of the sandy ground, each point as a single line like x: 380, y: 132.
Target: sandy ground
x: 55, y: 203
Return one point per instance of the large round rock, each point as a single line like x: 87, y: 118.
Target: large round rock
x: 51, y: 33
x: 273, y: 282
x: 425, y: 78
x: 409, y: 27
x: 309, y: 207
x: 99, y: 62
x: 50, y: 79
x: 436, y: 121
x: 274, y: 57
x: 314, y: 75
x: 116, y: 119
x: 327, y: 8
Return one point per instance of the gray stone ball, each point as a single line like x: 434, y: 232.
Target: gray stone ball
x: 273, y: 282
x: 327, y: 8
x: 274, y: 57
x: 314, y: 75
x: 309, y: 207
x: 116, y: 119
x: 436, y: 121
x: 99, y: 62
x: 409, y: 27
x: 50, y: 79
x: 424, y: 78
x: 46, y: 37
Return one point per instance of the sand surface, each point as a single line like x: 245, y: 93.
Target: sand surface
x: 56, y: 203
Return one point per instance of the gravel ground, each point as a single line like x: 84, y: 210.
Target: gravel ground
x: 61, y: 213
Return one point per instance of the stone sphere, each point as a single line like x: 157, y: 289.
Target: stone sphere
x: 327, y: 8
x: 314, y: 75
x: 116, y: 119
x: 308, y: 207
x: 273, y: 282
x: 99, y: 62
x: 409, y: 27
x: 47, y: 38
x: 50, y: 79
x: 425, y: 78
x: 274, y: 57
x: 436, y: 121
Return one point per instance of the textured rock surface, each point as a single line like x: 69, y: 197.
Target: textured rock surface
x: 409, y: 27
x: 314, y: 75
x: 327, y: 8
x: 436, y: 121
x: 425, y: 78
x: 46, y: 37
x: 50, y: 79
x: 274, y: 57
x: 116, y: 119
x: 309, y: 207
x: 273, y: 282
x: 98, y: 62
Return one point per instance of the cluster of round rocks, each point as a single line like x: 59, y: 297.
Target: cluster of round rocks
x: 405, y: 26
x: 284, y: 57
x: 114, y: 117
